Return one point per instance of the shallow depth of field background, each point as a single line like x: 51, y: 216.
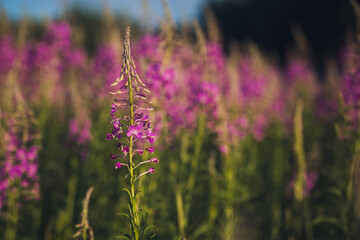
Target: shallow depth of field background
x: 256, y: 116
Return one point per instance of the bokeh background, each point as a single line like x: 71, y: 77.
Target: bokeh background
x: 256, y: 117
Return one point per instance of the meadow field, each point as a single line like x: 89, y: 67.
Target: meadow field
x: 207, y: 144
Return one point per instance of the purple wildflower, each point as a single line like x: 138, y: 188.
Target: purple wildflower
x: 351, y: 100
x: 150, y: 136
x: 118, y: 165
x: 140, y: 151
x: 59, y: 34
x: 7, y: 55
x: 131, y: 101
x: 155, y: 160
x: 19, y: 171
x: 135, y: 131
x: 310, y: 181
x: 298, y: 69
x: 148, y: 47
x: 106, y: 64
x: 125, y: 149
x: 79, y: 132
x: 150, y: 149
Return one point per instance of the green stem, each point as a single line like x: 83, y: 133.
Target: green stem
x: 277, y: 183
x: 299, y: 152
x: 307, y: 219
x: 213, y: 210
x: 349, y: 190
x: 229, y: 173
x: 13, y: 212
x: 195, y: 161
x: 300, y: 182
x: 65, y: 217
x: 180, y: 211
x: 194, y: 165
x: 133, y: 204
x: 84, y: 233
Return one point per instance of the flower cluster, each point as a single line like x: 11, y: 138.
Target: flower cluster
x: 19, y: 170
x: 79, y: 133
x: 351, y: 101
x: 131, y: 125
x: 148, y: 47
x: 105, y: 64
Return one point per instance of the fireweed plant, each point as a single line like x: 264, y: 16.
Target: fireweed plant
x: 134, y: 134
x: 301, y: 182
x: 19, y: 179
x: 348, y: 129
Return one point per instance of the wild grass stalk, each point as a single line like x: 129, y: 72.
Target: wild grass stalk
x: 18, y: 160
x: 301, y: 184
x: 85, y: 229
x: 64, y: 221
x: 278, y: 180
x: 185, y: 187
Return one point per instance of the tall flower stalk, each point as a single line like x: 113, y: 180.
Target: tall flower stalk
x: 349, y: 129
x: 134, y: 134
x: 84, y: 226
x: 301, y: 183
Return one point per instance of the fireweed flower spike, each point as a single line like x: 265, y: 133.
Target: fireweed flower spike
x: 132, y: 129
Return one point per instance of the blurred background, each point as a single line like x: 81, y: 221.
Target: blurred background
x: 272, y: 26
x: 256, y: 117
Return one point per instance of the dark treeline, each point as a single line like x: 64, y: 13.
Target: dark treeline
x: 270, y: 24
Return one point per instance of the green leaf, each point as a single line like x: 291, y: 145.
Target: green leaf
x: 126, y: 216
x: 145, y: 216
x: 199, y: 231
x: 137, y: 191
x: 148, y: 233
x: 126, y: 190
x: 127, y: 237
x: 336, y: 192
x: 328, y: 220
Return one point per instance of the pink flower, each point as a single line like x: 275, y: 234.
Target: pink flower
x: 135, y: 131
x: 118, y: 165
x: 150, y: 136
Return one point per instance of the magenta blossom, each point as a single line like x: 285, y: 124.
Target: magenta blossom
x: 150, y: 136
x: 118, y: 165
x: 310, y: 181
x: 125, y: 149
x: 155, y: 160
x: 150, y: 149
x: 135, y: 131
x: 19, y: 170
x: 131, y: 105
